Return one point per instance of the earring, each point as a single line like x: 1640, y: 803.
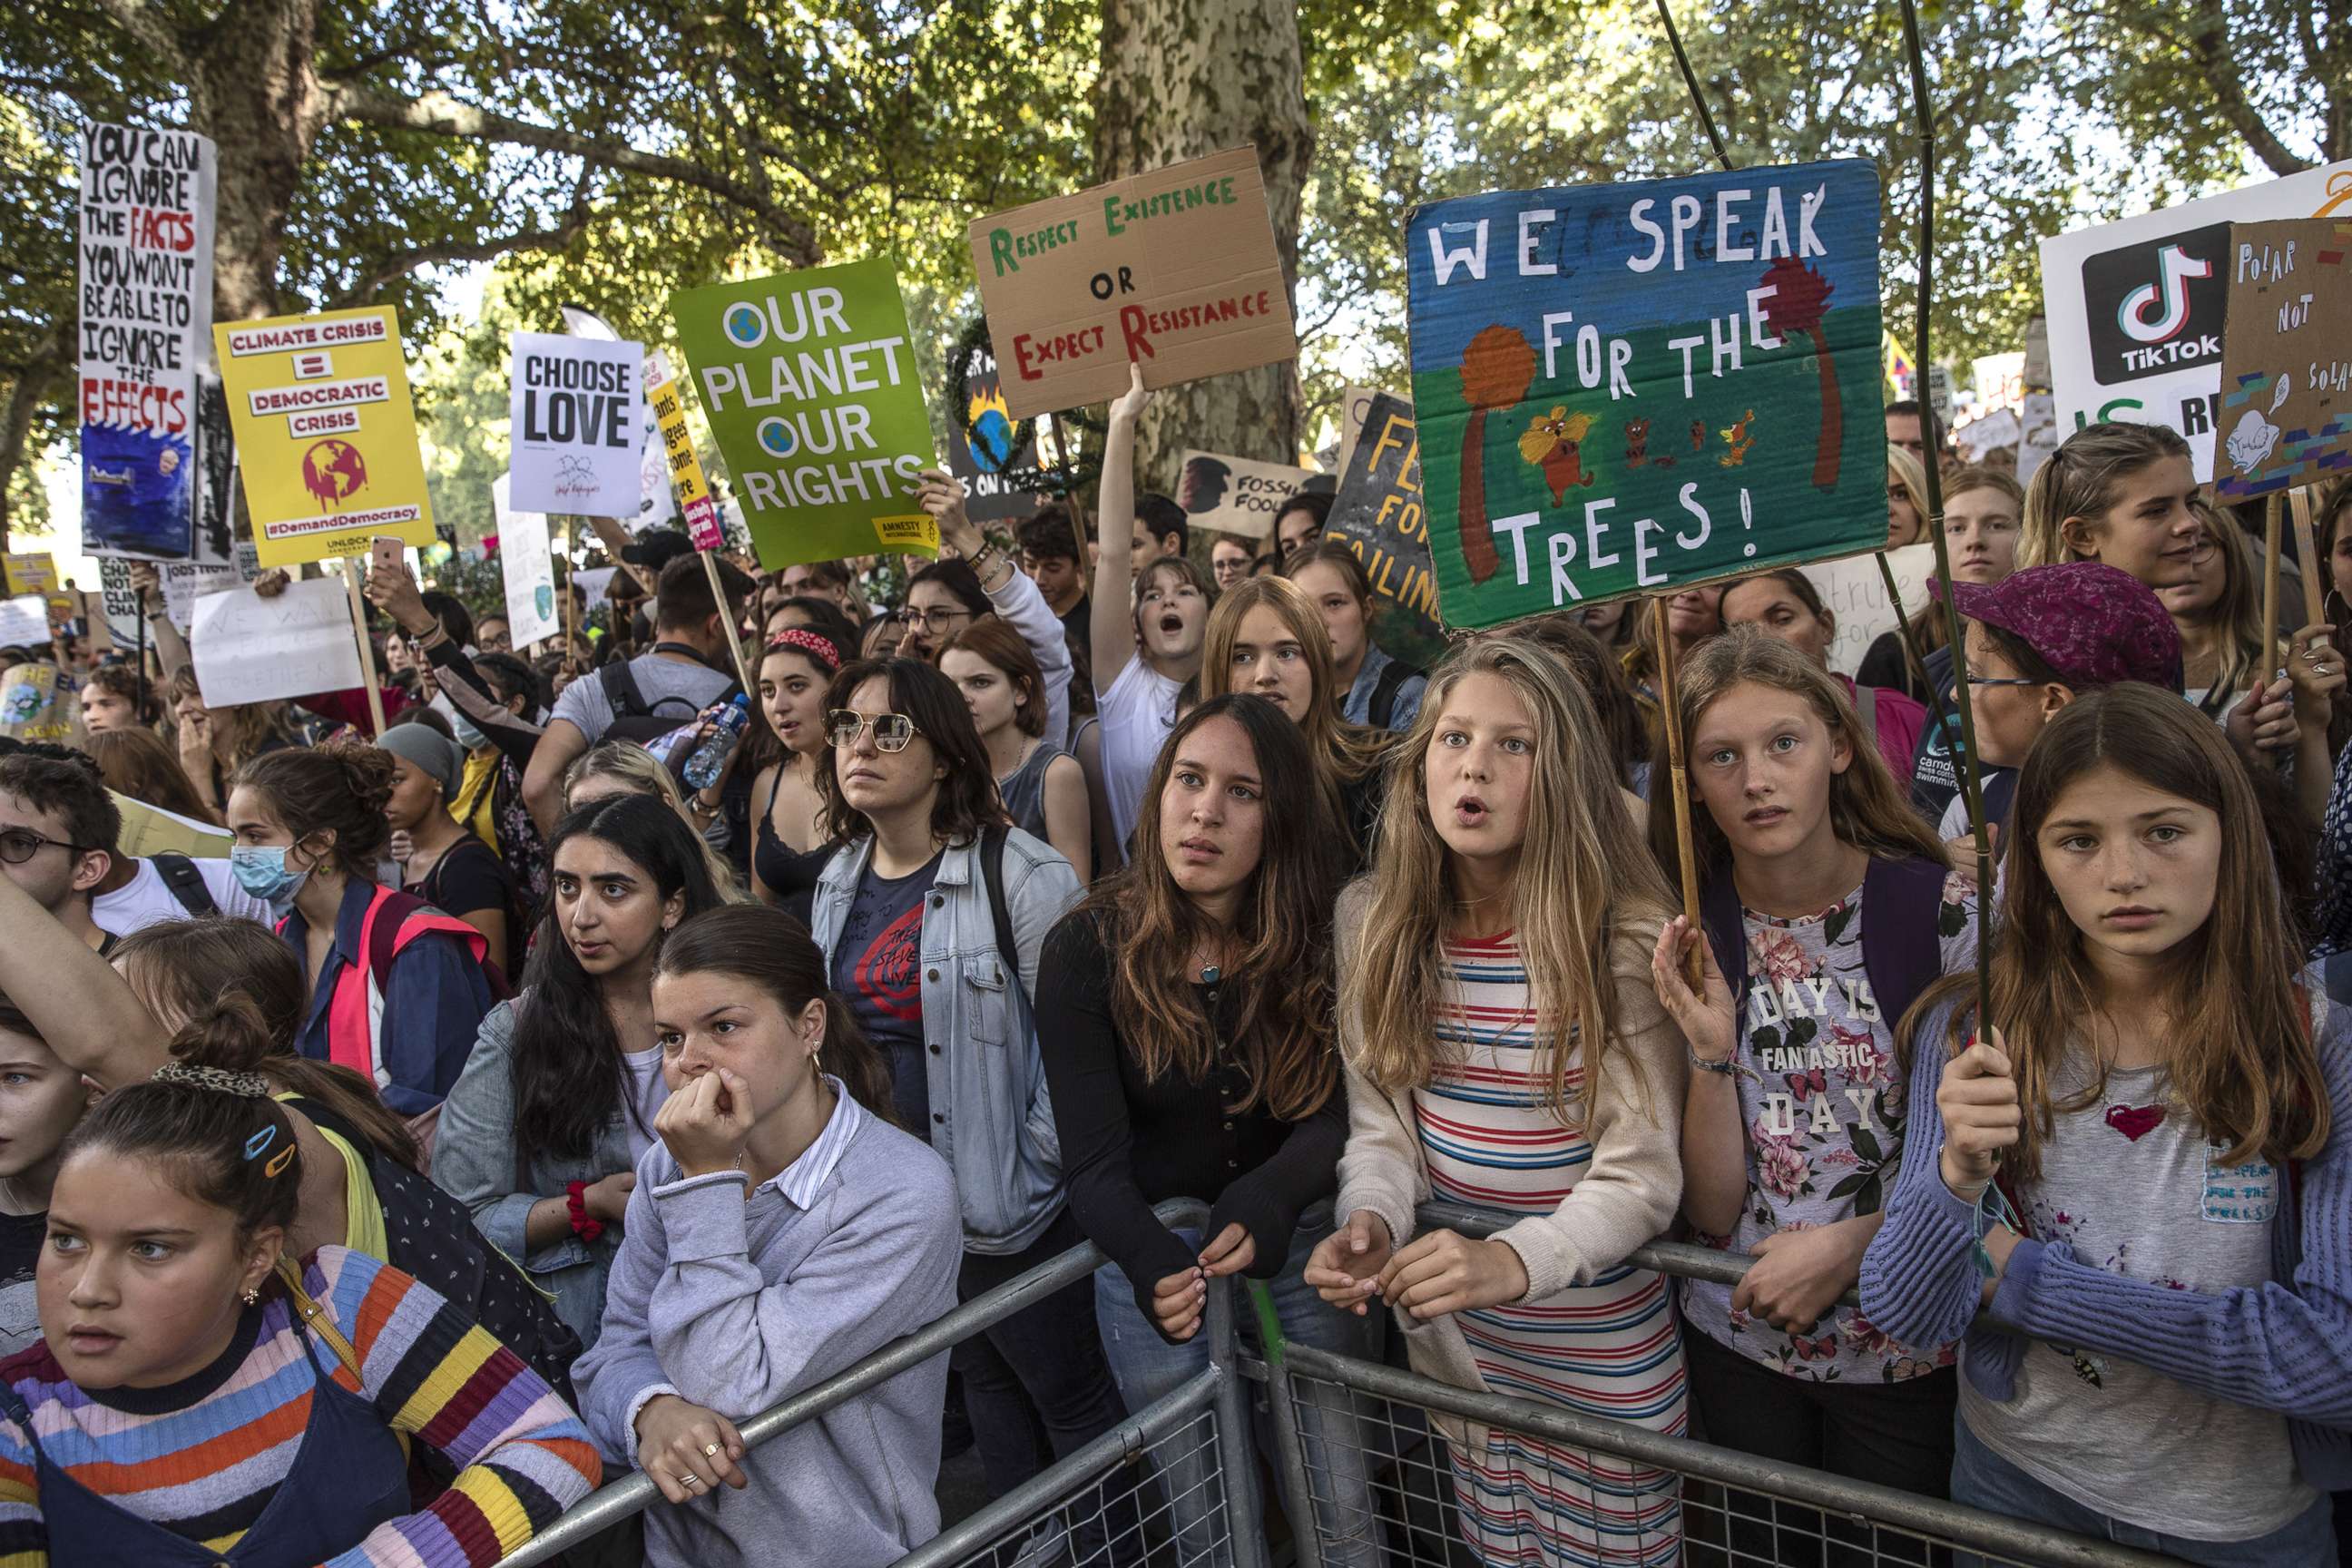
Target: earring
x: 253, y: 1296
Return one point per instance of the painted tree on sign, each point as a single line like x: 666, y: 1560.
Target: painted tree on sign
x: 1800, y: 297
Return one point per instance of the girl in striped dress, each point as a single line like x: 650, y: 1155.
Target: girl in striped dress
x: 1504, y: 1048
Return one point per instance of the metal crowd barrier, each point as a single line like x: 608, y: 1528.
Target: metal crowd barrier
x: 1368, y: 1478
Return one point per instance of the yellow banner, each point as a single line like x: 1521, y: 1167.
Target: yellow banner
x: 326, y: 435
x: 30, y: 572
x: 686, y: 481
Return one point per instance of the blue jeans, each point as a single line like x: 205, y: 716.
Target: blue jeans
x: 1983, y: 1478
x: 1148, y: 1368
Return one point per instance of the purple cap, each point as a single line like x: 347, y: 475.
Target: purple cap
x: 2092, y: 623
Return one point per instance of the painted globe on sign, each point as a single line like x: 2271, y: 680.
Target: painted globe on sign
x: 333, y: 470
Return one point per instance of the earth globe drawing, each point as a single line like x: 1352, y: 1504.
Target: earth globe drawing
x: 333, y: 470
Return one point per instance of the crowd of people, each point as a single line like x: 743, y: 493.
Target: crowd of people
x: 543, y: 1085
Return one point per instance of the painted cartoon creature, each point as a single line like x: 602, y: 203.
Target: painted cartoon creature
x: 1550, y: 444
x: 1637, y: 447
x: 1739, y: 438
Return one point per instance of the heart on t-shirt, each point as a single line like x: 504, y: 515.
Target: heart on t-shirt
x: 2134, y: 1122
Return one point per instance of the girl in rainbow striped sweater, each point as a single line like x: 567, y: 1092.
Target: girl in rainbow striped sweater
x: 198, y: 1399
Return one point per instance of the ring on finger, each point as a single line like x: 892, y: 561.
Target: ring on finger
x: 710, y: 1451
x: 690, y: 1480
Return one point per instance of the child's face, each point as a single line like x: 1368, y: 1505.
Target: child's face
x: 1762, y: 763
x: 40, y: 1100
x: 2135, y: 867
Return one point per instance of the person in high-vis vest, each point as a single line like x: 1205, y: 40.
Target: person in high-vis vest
x: 398, y: 988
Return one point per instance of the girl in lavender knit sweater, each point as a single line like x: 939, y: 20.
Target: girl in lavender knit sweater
x: 2171, y: 1120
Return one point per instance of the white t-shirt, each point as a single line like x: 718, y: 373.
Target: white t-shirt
x: 647, y: 1094
x: 149, y: 901
x: 1135, y: 714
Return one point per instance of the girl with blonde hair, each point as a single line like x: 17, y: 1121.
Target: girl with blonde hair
x: 1503, y: 1048
x: 2118, y: 492
x: 1906, y: 499
x: 624, y: 767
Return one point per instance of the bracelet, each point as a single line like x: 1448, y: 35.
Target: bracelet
x: 1728, y: 1067
x: 576, y: 1198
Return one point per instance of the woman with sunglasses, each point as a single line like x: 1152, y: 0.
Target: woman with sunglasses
x: 949, y: 595
x: 789, y: 845
x: 930, y: 916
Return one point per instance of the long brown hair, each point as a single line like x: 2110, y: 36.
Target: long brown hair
x: 136, y: 763
x: 1347, y: 751
x: 966, y: 803
x: 1582, y: 881
x: 994, y: 640
x: 240, y: 730
x: 2241, y: 1060
x: 1280, y: 942
x: 1867, y: 809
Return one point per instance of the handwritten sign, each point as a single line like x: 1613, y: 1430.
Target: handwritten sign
x: 2137, y: 308
x: 1854, y: 592
x: 1001, y: 481
x: 326, y: 435
x: 120, y: 601
x: 37, y: 701
x: 1629, y: 387
x: 809, y: 381
x: 575, y: 429
x: 1174, y: 271
x: 528, y: 567
x: 25, y: 621
x: 1379, y: 514
x: 1236, y: 495
x: 185, y: 581
x: 2286, y: 357
x: 252, y: 649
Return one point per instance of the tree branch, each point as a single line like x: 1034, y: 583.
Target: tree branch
x: 2209, y: 47
x: 143, y: 22
x: 439, y: 114
x: 402, y: 263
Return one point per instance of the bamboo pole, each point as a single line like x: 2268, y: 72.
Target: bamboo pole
x: 1678, y: 781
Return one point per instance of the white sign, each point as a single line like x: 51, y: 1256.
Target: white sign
x: 529, y: 570
x: 1997, y: 431
x: 2136, y: 307
x: 594, y: 581
x: 146, y: 312
x: 252, y: 649
x: 578, y: 430
x: 2001, y: 381
x: 25, y: 621
x: 2039, y: 410
x: 185, y: 581
x: 1854, y: 592
x: 120, y: 601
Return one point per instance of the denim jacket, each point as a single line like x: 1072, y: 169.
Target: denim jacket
x: 991, y: 1118
x: 474, y: 1162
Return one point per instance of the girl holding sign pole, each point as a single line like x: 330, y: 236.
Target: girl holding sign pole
x: 1828, y: 905
x: 2144, y: 1174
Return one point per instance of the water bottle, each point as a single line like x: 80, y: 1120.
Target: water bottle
x: 728, y: 727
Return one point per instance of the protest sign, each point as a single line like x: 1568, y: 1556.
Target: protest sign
x: 808, y: 380
x: 252, y: 649
x: 1001, y: 481
x: 150, y: 830
x: 1378, y: 513
x: 656, y: 505
x: 2137, y: 308
x: 576, y: 425
x: 146, y: 308
x: 185, y: 581
x: 122, y: 602
x: 595, y: 581
x: 1355, y: 406
x: 2039, y: 410
x: 25, y: 621
x: 1630, y: 387
x: 326, y: 434
x: 2286, y: 357
x: 37, y: 702
x: 1998, y: 431
x: 687, y: 487
x: 1174, y: 271
x: 1855, y: 591
x: 30, y: 572
x: 528, y: 567
x: 1236, y: 495
x: 2001, y: 381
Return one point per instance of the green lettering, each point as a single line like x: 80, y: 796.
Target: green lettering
x: 999, y: 251
x: 1227, y: 186
x: 1111, y: 215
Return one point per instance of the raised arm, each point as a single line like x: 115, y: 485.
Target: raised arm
x: 73, y: 998
x: 1112, y: 622
x: 1015, y: 596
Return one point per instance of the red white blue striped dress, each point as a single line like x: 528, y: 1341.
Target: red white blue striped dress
x: 1605, y: 1349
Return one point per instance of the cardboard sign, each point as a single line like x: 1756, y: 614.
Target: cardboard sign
x: 146, y: 310
x: 1000, y: 482
x: 528, y: 568
x: 1355, y: 408
x: 687, y: 487
x: 2286, y: 357
x: 326, y: 434
x: 575, y: 424
x: 252, y: 649
x: 1855, y: 593
x: 1236, y: 495
x: 2039, y: 410
x: 2137, y: 308
x: 37, y: 702
x: 185, y: 581
x: 121, y: 603
x: 150, y: 830
x: 30, y: 572
x: 809, y: 381
x: 1378, y: 512
x: 25, y: 621
x: 1174, y: 271
x: 1629, y: 387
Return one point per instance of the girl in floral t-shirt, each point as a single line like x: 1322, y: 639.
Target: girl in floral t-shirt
x: 1829, y: 907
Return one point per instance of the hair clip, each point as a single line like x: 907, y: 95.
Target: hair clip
x: 279, y: 1162
x: 259, y: 1143
x: 219, y: 1081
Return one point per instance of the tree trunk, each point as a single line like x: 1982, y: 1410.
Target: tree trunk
x: 49, y: 371
x: 1183, y: 78
x: 254, y: 91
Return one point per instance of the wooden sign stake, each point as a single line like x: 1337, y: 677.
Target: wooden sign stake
x: 726, y: 618
x: 1678, y: 780
x: 1067, y: 461
x: 367, y: 652
x: 2315, y: 570
x: 2271, y: 509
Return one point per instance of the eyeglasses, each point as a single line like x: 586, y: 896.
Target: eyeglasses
x: 18, y: 845
x: 892, y: 730
x: 932, y: 620
x: 2000, y: 680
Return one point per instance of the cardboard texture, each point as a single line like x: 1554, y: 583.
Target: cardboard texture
x: 577, y: 405
x: 809, y: 381
x: 1379, y: 514
x: 1175, y: 269
x: 1239, y: 495
x: 326, y: 434
x: 1631, y: 387
x: 1001, y: 483
x: 145, y: 246
x: 2286, y: 357
x: 2136, y: 307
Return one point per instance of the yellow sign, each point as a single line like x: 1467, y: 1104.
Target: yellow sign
x: 326, y: 435
x: 686, y: 481
x: 30, y: 572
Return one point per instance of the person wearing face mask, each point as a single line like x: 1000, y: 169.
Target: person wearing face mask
x: 440, y: 861
x: 397, y: 988
x: 540, y: 1136
x: 946, y: 596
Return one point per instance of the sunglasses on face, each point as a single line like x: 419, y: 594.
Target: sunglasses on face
x: 892, y: 730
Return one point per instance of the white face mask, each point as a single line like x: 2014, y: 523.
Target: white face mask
x: 469, y: 735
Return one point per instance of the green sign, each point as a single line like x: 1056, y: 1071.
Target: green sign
x: 808, y: 380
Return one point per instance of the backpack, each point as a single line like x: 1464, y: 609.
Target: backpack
x: 1901, y: 951
x: 635, y: 718
x: 187, y: 883
x: 992, y: 872
x: 1385, y: 686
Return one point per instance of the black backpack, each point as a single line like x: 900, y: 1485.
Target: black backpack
x: 187, y: 882
x: 635, y: 718
x: 1385, y: 686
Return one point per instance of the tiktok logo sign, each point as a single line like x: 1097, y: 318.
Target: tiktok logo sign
x: 2157, y: 306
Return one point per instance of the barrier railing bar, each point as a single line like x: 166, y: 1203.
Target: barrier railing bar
x: 1024, y: 1503
x: 1678, y: 1259
x: 1244, y: 1510
x: 1952, y: 1522
x: 635, y: 1491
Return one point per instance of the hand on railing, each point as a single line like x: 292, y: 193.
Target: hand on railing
x: 1345, y: 1266
x: 688, y: 1449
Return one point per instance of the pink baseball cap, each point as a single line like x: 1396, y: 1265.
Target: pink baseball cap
x: 2092, y: 623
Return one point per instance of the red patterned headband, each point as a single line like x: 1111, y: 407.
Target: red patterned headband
x: 816, y: 646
